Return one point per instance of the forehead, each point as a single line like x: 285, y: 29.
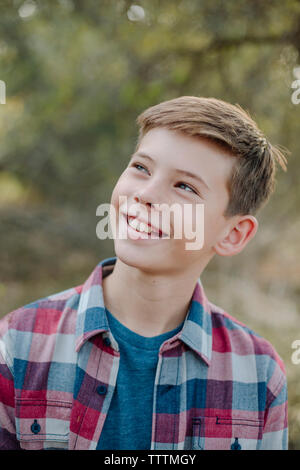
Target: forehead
x: 199, y: 155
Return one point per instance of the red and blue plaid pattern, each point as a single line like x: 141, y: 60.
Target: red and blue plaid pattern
x: 218, y: 384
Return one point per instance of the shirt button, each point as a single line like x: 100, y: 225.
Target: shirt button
x: 107, y: 341
x: 101, y: 389
x: 35, y: 427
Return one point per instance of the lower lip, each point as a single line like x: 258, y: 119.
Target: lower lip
x: 135, y: 235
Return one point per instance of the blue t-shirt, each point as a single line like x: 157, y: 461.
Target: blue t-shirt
x: 128, y: 424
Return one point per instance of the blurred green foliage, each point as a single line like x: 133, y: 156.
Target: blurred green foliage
x: 77, y: 74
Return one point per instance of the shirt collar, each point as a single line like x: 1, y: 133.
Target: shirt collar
x: 91, y: 316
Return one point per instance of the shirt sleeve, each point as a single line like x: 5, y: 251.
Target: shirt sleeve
x: 275, y: 433
x: 8, y: 440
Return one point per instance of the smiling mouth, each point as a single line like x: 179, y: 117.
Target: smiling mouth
x: 146, y: 234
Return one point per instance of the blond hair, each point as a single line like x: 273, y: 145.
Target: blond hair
x: 253, y: 177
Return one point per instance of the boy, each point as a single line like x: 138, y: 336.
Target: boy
x: 137, y: 357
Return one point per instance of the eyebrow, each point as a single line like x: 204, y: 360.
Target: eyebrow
x: 177, y: 170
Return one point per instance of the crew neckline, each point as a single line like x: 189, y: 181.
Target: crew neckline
x: 142, y: 342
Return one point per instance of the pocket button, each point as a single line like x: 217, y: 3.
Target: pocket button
x: 35, y: 427
x: 236, y: 445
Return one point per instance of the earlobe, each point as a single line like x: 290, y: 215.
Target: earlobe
x: 238, y: 237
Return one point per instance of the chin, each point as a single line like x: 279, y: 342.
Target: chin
x: 139, y: 259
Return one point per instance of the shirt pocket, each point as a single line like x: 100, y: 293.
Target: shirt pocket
x: 226, y: 433
x: 42, y: 424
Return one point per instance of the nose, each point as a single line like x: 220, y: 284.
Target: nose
x: 150, y: 194
x: 154, y: 212
x: 140, y: 200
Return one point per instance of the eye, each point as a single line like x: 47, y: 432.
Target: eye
x: 135, y: 165
x: 190, y: 189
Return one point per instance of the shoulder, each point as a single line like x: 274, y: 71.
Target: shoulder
x: 44, y: 317
x: 48, y: 308
x: 248, y: 349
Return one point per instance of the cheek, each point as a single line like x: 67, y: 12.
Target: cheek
x: 202, y: 226
x: 193, y: 220
x: 115, y: 196
x: 121, y: 189
x: 213, y: 226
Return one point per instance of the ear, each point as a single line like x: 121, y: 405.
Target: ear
x: 238, y: 236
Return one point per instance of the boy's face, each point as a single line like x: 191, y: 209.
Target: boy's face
x: 146, y: 182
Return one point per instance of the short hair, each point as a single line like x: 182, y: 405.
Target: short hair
x: 253, y: 176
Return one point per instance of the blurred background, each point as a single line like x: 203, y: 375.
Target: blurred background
x: 77, y: 74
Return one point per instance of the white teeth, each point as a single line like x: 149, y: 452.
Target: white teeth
x: 139, y: 226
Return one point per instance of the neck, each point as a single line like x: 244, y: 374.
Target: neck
x: 148, y: 305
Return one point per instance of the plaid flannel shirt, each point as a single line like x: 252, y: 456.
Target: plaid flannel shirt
x: 218, y: 384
